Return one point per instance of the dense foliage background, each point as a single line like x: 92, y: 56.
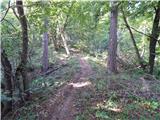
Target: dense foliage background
x: 80, y: 26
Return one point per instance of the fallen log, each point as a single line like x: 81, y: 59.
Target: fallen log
x: 51, y: 70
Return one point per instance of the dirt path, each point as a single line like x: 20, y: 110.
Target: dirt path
x: 147, y: 90
x: 62, y: 107
x: 145, y: 85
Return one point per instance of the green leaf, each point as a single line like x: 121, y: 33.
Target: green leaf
x: 102, y: 114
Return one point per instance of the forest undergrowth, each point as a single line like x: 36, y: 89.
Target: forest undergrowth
x: 126, y: 95
x: 80, y: 60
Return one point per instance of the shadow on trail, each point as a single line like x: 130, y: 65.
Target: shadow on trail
x: 62, y: 107
x: 92, y: 86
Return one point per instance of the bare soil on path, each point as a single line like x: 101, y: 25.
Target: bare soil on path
x: 62, y: 106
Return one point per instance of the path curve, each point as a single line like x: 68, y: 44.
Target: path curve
x: 62, y: 107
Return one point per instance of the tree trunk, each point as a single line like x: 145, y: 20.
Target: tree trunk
x: 112, y: 49
x: 153, y: 39
x: 94, y: 47
x: 62, y: 30
x: 63, y: 36
x: 140, y: 60
x: 22, y: 69
x: 45, y: 48
x: 8, y: 77
x: 55, y: 41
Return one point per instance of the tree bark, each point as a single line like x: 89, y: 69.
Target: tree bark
x: 22, y: 68
x: 140, y: 60
x: 153, y: 41
x: 112, y: 49
x: 45, y: 61
x: 8, y: 77
x: 55, y: 40
x: 63, y: 28
x: 63, y: 36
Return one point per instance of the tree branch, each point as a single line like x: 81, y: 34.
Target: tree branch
x: 133, y: 40
x: 6, y: 11
x: 11, y: 24
x: 140, y: 32
x: 15, y: 14
x: 144, y: 34
x: 67, y: 17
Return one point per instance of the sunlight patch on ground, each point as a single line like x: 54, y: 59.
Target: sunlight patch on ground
x: 80, y: 84
x: 109, y: 105
x: 59, y: 83
x: 115, y: 109
x: 145, y: 86
x: 95, y: 59
x: 62, y: 56
x: 86, y: 58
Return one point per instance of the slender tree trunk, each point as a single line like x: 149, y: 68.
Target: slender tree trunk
x: 143, y: 39
x: 63, y: 36
x: 112, y: 49
x: 22, y: 68
x: 153, y: 39
x: 8, y: 77
x: 45, y: 61
x: 140, y: 60
x: 55, y: 37
x: 96, y: 19
x: 62, y: 30
x: 55, y: 41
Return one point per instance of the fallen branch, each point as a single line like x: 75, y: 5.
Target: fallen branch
x: 52, y: 70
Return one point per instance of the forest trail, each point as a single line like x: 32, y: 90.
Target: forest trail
x: 62, y: 106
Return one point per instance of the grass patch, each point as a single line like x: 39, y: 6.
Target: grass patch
x: 44, y: 87
x: 120, y: 96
